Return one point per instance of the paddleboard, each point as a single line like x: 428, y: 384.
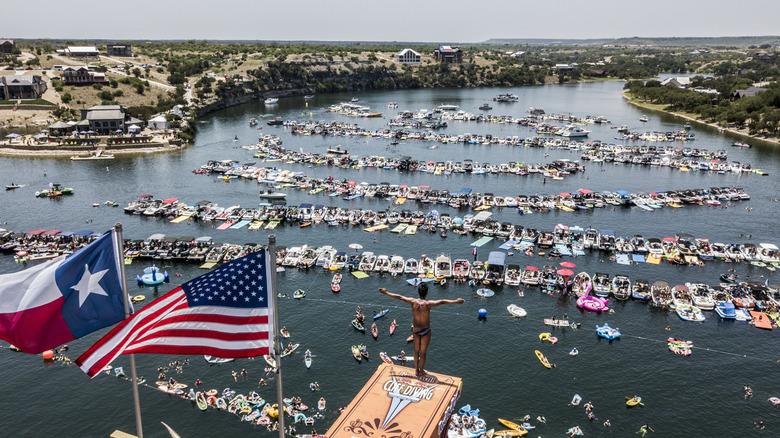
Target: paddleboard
x: 239, y: 225
x: 225, y: 226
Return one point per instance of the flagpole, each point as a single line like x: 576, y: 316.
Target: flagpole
x: 120, y: 258
x: 275, y: 334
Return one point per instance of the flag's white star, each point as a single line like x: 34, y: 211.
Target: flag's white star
x: 89, y: 284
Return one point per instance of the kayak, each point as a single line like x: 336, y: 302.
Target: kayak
x: 381, y: 313
x: 374, y: 331
x: 385, y: 357
x: 542, y: 359
x: 393, y: 325
x: 510, y: 424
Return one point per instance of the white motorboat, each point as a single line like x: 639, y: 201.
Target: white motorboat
x: 271, y: 101
x: 270, y: 194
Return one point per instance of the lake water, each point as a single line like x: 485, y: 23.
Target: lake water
x: 699, y: 395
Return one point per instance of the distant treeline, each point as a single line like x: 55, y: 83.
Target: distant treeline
x: 759, y: 113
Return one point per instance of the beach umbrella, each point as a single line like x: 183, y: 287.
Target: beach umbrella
x: 565, y: 272
x: 40, y: 136
x: 44, y: 130
x: 90, y: 132
x: 356, y: 246
x: 118, y: 130
x: 12, y: 135
x: 82, y: 132
x: 568, y: 265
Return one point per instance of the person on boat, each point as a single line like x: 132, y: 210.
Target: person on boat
x: 262, y: 382
x: 607, y: 423
x: 421, y: 315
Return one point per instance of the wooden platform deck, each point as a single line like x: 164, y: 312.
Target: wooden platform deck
x: 395, y: 403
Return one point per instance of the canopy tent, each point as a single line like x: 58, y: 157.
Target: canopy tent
x: 59, y: 125
x: 532, y: 268
x: 51, y: 232
x: 83, y: 233
x: 496, y: 258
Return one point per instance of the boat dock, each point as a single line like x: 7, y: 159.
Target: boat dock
x: 394, y: 402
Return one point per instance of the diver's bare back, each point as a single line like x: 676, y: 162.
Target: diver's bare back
x: 421, y: 313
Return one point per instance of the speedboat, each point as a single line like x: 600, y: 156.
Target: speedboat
x: 271, y: 101
x: 689, y: 313
x: 726, y: 310
x: 581, y: 285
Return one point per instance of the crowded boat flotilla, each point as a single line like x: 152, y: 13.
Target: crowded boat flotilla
x: 315, y: 237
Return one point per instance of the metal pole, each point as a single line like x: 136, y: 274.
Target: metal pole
x: 275, y: 334
x: 119, y: 244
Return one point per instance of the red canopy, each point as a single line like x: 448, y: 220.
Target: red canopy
x: 145, y: 196
x: 531, y: 268
x: 669, y: 239
x: 565, y: 194
x: 35, y: 232
x: 425, y: 187
x: 169, y: 201
x: 568, y: 265
x: 565, y: 272
x: 51, y: 233
x: 585, y: 191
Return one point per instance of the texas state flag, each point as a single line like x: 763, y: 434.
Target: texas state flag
x: 64, y: 298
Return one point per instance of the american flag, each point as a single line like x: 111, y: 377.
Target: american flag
x: 226, y: 313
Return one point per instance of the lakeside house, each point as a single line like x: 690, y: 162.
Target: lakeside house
x: 762, y: 55
x: 80, y: 51
x: 564, y: 68
x: 7, y: 46
x: 679, y: 82
x: 123, y: 50
x: 82, y: 76
x: 748, y: 92
x: 21, y: 87
x: 108, y: 119
x: 408, y: 57
x: 448, y: 55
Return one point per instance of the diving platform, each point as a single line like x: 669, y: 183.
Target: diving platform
x: 394, y: 402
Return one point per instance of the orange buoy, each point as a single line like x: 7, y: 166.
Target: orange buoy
x: 48, y: 355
